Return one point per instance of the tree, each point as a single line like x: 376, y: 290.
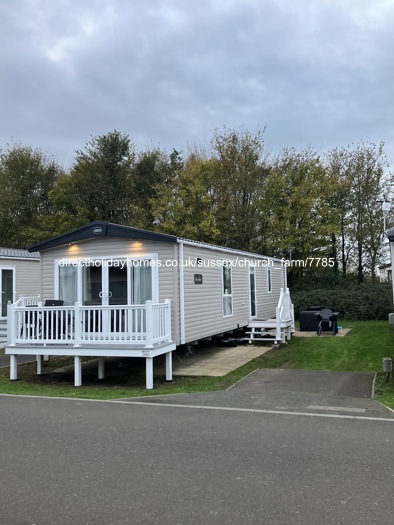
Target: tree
x: 153, y: 171
x: 184, y: 206
x: 26, y: 179
x: 300, y: 218
x: 101, y: 178
x: 362, y: 177
x: 338, y: 171
x: 238, y: 187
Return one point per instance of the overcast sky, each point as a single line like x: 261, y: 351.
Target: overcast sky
x: 167, y: 72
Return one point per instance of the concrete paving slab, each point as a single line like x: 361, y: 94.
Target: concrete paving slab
x: 216, y: 361
x: 208, y: 360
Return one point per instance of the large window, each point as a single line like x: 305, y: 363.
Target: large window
x: 141, y: 282
x: 68, y: 282
x: 117, y: 282
x: 227, y: 291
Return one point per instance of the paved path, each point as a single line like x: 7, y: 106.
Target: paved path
x: 214, y: 361
x: 305, y: 391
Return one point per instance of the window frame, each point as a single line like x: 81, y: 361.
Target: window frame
x: 269, y: 280
x: 227, y: 297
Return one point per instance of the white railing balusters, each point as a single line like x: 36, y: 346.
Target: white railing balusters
x: 146, y: 324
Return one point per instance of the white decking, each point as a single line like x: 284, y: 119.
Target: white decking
x: 96, y: 331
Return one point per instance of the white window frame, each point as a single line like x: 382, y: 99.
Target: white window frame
x: 79, y: 268
x: 224, y: 294
x: 252, y: 271
x: 269, y: 280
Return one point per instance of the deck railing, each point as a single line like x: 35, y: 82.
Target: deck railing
x: 284, y: 311
x: 144, y: 324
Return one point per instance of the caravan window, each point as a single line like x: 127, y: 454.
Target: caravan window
x: 68, y: 279
x: 227, y: 291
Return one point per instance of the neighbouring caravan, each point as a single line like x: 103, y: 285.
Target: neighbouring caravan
x: 118, y: 290
x: 19, y: 275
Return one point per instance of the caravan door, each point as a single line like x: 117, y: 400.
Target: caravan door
x: 7, y: 289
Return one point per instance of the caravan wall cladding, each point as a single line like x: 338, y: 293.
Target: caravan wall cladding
x: 212, y: 300
x: 208, y: 309
x: 18, y: 277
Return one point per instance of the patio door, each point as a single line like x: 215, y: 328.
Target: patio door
x: 114, y: 285
x: 7, y: 289
x: 117, y: 285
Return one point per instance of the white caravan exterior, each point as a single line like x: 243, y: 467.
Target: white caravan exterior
x: 116, y: 290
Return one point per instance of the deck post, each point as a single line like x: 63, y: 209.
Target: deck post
x: 168, y: 319
x: 278, y: 336
x: 77, y: 370
x: 11, y: 323
x: 169, y: 366
x: 101, y: 367
x: 13, y: 367
x: 149, y: 325
x: 149, y: 373
x: 78, y: 324
x: 39, y: 359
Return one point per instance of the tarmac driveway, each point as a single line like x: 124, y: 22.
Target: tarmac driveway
x: 305, y: 391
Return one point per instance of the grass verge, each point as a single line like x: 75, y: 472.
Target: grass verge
x: 361, y: 350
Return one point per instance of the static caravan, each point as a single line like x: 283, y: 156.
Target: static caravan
x: 112, y: 290
x: 19, y: 275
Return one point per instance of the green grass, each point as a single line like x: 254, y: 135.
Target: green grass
x: 361, y: 350
x: 130, y: 382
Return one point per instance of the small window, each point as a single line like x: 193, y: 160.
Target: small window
x: 227, y: 291
x: 252, y: 291
x: 269, y: 280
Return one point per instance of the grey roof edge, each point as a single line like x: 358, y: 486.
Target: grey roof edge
x: 234, y: 251
x: 97, y: 229
x: 16, y: 253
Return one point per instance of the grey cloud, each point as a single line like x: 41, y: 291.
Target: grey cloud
x: 168, y: 72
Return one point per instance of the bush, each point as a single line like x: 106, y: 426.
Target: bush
x: 360, y: 302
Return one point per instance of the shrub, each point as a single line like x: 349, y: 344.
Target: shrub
x: 365, y: 301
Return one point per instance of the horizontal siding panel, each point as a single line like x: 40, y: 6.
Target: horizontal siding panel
x: 27, y: 276
x: 203, y: 302
x: 268, y: 301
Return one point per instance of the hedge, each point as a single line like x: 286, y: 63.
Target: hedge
x: 360, y: 302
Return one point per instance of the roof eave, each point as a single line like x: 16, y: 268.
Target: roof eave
x: 97, y: 229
